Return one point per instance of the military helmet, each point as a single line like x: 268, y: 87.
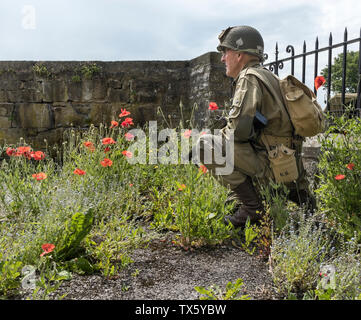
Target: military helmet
x: 242, y: 38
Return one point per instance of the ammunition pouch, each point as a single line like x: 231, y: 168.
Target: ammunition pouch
x: 282, y: 158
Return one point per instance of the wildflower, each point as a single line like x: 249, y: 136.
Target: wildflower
x: 350, y: 166
x: 319, y: 81
x: 213, y: 106
x: 124, y: 113
x: 39, y: 176
x: 127, y: 122
x: 187, y: 133
x: 129, y: 136
x: 182, y: 187
x: 37, y: 155
x: 203, y: 168
x: 131, y: 184
x: 23, y: 151
x: 79, y: 172
x: 106, y: 150
x: 114, y: 124
x: 10, y: 151
x: 106, y: 162
x: 340, y: 177
x: 89, y: 145
x: 47, y: 248
x: 127, y: 153
x: 107, y: 141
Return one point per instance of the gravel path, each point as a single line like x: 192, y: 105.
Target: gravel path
x: 165, y: 272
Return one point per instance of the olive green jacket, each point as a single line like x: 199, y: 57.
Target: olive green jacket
x: 250, y: 94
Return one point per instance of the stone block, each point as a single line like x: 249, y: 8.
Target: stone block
x: 3, y: 96
x: 66, y: 115
x: 11, y: 135
x: 74, y: 90
x: 87, y: 90
x: 50, y: 139
x: 5, y: 122
x: 34, y: 115
x: 117, y: 95
x: 101, y: 113
x: 52, y: 90
x: 6, y: 109
x: 99, y: 89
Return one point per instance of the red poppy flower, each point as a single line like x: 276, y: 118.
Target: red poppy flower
x: 340, y: 177
x: 39, y: 176
x: 203, y: 168
x: 187, y: 133
x: 124, y: 113
x: 213, y: 106
x: 37, y: 155
x: 106, y: 150
x: 127, y: 153
x: 23, y: 150
x: 182, y: 187
x: 114, y: 124
x: 350, y: 166
x: 10, y: 151
x: 319, y: 81
x: 79, y: 172
x: 88, y: 144
x: 129, y: 136
x: 47, y: 248
x: 127, y: 122
x: 107, y: 141
x: 106, y: 162
x: 130, y: 184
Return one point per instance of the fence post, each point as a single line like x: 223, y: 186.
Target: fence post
x: 291, y: 49
x: 329, y: 71
x: 358, y: 104
x: 304, y: 63
x: 316, y: 65
x: 344, y: 62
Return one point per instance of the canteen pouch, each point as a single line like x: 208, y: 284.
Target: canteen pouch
x: 283, y: 164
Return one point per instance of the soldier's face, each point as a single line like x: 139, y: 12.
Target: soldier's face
x: 233, y: 62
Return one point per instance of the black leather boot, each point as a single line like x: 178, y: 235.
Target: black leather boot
x: 251, y: 207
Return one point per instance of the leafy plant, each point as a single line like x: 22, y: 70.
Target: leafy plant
x: 251, y: 233
x: 9, y: 275
x: 75, y: 231
x: 89, y: 70
x: 340, y: 170
x: 231, y: 292
x: 41, y: 70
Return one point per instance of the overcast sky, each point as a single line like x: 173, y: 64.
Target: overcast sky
x: 111, y: 30
x: 120, y: 30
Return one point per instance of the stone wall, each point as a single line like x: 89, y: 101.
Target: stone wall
x: 39, y: 100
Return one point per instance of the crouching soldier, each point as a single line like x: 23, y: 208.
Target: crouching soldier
x: 256, y: 123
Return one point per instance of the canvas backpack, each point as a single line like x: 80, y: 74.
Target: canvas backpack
x: 305, y: 113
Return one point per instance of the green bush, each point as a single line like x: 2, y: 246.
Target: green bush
x: 340, y: 171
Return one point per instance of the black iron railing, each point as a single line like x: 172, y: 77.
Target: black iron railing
x: 278, y: 64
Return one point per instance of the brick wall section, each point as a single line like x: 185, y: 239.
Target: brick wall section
x: 39, y: 100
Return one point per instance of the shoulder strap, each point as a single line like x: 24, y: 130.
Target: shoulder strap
x: 264, y: 80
